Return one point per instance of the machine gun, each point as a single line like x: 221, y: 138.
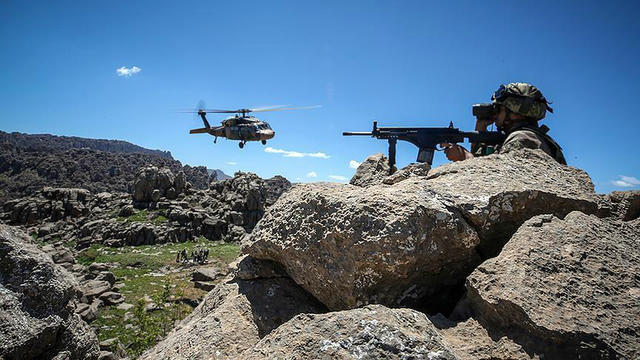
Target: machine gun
x: 426, y: 138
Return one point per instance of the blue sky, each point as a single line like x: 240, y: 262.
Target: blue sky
x: 411, y: 63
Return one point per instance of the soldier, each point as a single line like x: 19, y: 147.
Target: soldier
x: 518, y: 108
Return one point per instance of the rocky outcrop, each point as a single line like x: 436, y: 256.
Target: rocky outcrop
x: 26, y: 171
x: 371, y: 332
x: 233, y: 317
x: 411, y: 243
x: 54, y: 204
x: 275, y: 187
x: 37, y: 311
x: 624, y: 205
x: 564, y: 288
x: 173, y: 212
x: 372, y: 171
x: 153, y: 183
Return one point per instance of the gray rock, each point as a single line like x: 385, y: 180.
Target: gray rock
x: 469, y: 340
x: 106, y: 276
x: 180, y: 182
x: 127, y: 211
x: 165, y: 180
x: 145, y: 183
x: 206, y: 274
x: 624, y: 205
x: 125, y: 306
x: 564, y: 288
x: 37, y: 296
x: 372, y: 171
x: 93, y: 288
x: 410, y: 243
x: 109, y: 344
x: 98, y: 267
x: 411, y: 170
x: 90, y: 312
x: 232, y: 318
x: 372, y: 332
x: 107, y: 355
x: 112, y: 298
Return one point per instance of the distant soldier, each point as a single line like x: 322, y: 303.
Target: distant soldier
x: 518, y: 108
x: 178, y: 257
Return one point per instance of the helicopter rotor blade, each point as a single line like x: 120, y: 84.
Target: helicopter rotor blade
x: 286, y: 108
x: 266, y: 108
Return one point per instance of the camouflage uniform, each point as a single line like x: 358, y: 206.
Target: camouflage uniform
x: 527, y: 100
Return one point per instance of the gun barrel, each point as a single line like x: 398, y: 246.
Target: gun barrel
x: 351, y: 133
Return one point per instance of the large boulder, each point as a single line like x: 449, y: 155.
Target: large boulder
x: 412, y: 242
x: 371, y: 332
x: 145, y: 182
x: 233, y: 317
x: 564, y: 288
x: 37, y: 296
x: 372, y: 171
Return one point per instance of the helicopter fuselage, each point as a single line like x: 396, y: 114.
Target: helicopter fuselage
x: 246, y: 128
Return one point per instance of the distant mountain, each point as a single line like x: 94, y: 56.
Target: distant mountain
x: 45, y: 142
x: 30, y: 162
x: 219, y: 174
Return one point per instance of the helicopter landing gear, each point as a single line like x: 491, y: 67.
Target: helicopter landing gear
x: 241, y: 144
x: 215, y: 140
x: 264, y: 142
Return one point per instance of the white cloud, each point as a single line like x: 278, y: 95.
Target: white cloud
x: 232, y: 163
x: 318, y: 155
x: 626, y: 181
x: 354, y: 164
x: 296, y: 154
x: 312, y: 175
x: 127, y: 72
x: 337, y: 177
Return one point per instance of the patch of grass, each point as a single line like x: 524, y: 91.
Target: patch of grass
x: 88, y: 255
x: 70, y: 244
x: 160, y: 219
x: 140, y: 273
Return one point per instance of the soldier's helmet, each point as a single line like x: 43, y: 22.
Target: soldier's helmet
x: 522, y: 98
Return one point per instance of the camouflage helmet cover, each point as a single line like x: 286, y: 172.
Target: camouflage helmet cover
x: 522, y: 98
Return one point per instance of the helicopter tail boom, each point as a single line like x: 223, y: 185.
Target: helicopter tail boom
x: 199, y: 131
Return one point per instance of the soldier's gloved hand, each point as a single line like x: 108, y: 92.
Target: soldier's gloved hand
x: 456, y: 152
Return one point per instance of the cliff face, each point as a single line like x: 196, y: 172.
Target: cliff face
x: 30, y: 162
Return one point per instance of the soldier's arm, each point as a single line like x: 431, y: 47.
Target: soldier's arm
x: 456, y: 152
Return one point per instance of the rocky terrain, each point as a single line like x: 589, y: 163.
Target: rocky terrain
x: 30, y: 162
x: 509, y: 256
x: 432, y: 265
x: 162, y: 208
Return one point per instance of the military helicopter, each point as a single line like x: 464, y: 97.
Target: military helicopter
x: 241, y: 126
